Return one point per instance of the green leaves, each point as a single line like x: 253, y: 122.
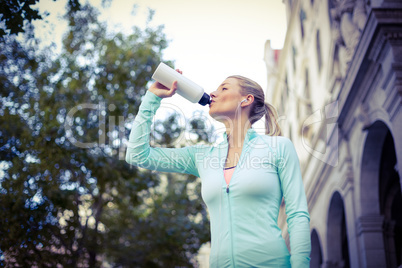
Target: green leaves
x: 67, y: 197
x: 14, y: 13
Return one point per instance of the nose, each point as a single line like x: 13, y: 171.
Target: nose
x: 213, y: 94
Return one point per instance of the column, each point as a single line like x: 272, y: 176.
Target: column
x: 370, y: 235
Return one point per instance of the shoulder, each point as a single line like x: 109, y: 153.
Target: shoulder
x: 282, y: 147
x: 278, y: 142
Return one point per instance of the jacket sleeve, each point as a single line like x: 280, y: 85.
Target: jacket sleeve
x: 141, y: 154
x: 298, y: 218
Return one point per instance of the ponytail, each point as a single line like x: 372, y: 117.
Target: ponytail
x: 272, y: 127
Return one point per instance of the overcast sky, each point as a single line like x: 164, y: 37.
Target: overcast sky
x: 210, y: 39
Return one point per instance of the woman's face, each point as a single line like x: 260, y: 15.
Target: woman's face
x: 226, y: 100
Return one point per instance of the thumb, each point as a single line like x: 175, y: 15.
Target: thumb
x: 173, y: 89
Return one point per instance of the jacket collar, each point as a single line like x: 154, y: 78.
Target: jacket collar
x: 223, y: 146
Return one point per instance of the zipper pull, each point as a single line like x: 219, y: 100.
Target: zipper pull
x: 227, y: 188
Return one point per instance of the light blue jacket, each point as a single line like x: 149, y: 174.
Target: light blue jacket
x: 243, y: 214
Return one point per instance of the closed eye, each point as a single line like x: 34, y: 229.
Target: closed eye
x: 224, y: 88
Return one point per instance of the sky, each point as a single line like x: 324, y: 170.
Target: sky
x: 209, y: 39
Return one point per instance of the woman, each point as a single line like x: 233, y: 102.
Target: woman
x: 243, y: 178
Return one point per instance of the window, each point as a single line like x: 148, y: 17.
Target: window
x: 330, y: 6
x: 305, y: 110
x: 287, y: 86
x: 307, y: 94
x: 336, y: 70
x: 318, y: 48
x: 302, y: 16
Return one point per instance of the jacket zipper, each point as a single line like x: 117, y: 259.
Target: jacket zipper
x: 230, y: 218
x: 231, y: 226
x: 230, y: 209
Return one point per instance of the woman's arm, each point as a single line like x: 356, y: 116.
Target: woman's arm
x: 298, y: 218
x: 140, y: 153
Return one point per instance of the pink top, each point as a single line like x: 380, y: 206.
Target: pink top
x: 228, y: 174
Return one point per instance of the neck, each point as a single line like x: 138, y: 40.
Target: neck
x: 236, y: 132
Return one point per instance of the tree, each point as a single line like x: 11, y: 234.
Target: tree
x: 65, y: 192
x: 17, y: 13
x: 172, y: 223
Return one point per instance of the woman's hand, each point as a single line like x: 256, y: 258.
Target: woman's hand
x: 164, y: 92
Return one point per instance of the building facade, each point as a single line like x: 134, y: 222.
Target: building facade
x: 337, y: 85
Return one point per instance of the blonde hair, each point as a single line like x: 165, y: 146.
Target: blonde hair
x: 259, y: 107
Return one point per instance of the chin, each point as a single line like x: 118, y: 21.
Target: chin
x: 216, y: 117
x: 212, y: 114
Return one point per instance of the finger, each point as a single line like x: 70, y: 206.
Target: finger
x: 173, y: 89
x: 174, y: 85
x: 179, y: 71
x: 160, y: 86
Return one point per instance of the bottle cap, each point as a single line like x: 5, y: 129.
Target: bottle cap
x: 205, y: 99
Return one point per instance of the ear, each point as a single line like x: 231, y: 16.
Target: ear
x: 250, y: 100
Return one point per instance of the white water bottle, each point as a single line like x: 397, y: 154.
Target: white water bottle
x: 185, y: 87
